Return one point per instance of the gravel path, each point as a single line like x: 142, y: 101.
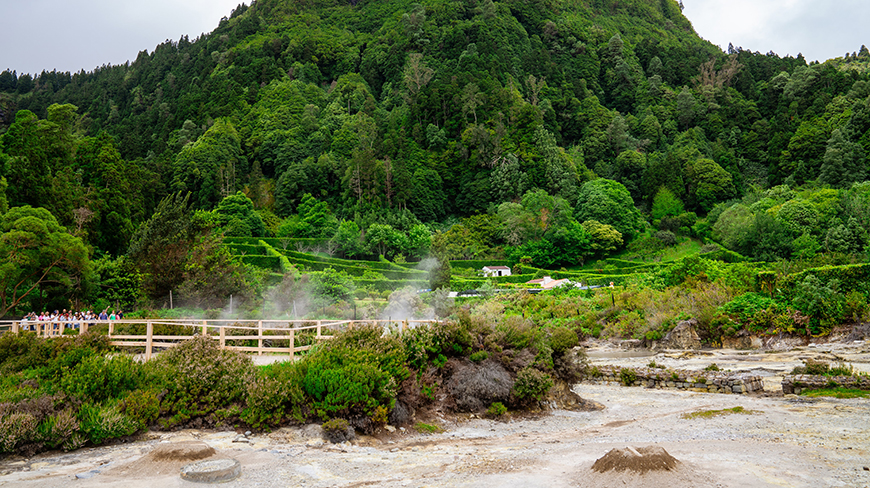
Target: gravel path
x: 785, y: 441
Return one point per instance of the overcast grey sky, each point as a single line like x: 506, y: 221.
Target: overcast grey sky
x: 820, y: 29
x: 70, y: 35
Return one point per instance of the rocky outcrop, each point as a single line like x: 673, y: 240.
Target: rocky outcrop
x: 562, y: 397
x: 683, y: 336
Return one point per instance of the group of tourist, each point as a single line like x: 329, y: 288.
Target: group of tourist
x: 71, y: 320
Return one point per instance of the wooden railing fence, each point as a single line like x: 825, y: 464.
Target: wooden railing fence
x: 271, y: 336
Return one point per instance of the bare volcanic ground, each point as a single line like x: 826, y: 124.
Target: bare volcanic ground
x: 794, y: 442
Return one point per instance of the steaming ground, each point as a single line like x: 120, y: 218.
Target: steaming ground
x: 793, y: 442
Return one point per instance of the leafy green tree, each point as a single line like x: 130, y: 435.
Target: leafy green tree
x: 609, y: 202
x: 36, y: 252
x: 844, y: 163
x: 666, y: 204
x: 419, y: 241
x: 428, y: 200
x: 508, y: 181
x: 630, y: 167
x: 732, y: 226
x: 805, y: 247
x: 209, y: 167
x: 605, y: 238
x: 536, y: 215
x: 314, y: 219
x: 331, y: 286
x: 440, y: 274
x: 212, y: 275
x: 160, y: 246
x: 28, y: 164
x: 708, y: 184
x: 237, y: 217
x: 348, y: 239
x: 799, y: 216
x: 384, y: 240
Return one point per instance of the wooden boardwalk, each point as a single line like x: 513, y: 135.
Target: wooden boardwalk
x: 286, y: 337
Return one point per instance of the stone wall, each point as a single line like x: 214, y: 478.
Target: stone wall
x: 700, y: 381
x: 804, y: 382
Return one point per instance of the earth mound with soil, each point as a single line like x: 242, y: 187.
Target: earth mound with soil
x: 639, y: 460
x: 165, y: 458
x: 650, y: 467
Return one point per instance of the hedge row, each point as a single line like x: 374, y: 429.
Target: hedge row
x: 478, y: 263
x: 358, y: 270
x: 246, y: 249
x: 277, y: 242
x: 852, y: 277
x: 270, y: 263
x: 384, y: 285
x: 286, y: 267
x: 380, y: 266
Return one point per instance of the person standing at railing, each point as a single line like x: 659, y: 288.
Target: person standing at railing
x: 103, y: 315
x: 112, y: 316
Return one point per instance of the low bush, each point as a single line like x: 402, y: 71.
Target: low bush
x: 479, y: 356
x: 99, y: 378
x: 532, y: 384
x: 102, y: 422
x: 354, y: 373
x: 562, y: 339
x: 627, y: 376
x: 197, y: 378
x: 337, y: 431
x: 142, y: 407
x: 497, y: 409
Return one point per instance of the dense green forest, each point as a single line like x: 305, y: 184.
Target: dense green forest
x: 544, y: 133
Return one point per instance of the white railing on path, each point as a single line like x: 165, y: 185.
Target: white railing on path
x: 226, y: 331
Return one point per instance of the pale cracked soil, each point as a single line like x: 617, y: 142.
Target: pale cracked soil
x: 785, y: 442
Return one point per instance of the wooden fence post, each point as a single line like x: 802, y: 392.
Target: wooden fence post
x: 223, y: 340
x: 15, y: 326
x: 149, y: 340
x: 292, y: 343
x: 260, y: 338
x: 83, y: 328
x: 319, y: 332
x: 205, y: 327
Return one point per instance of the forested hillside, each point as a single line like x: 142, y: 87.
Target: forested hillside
x: 558, y: 131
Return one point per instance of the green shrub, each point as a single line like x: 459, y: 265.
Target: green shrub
x: 276, y: 393
x: 712, y: 367
x: 99, y: 378
x: 562, y: 339
x: 627, y: 376
x: 102, y: 422
x: 354, y: 373
x: 532, y: 384
x: 424, y: 428
x: 337, y: 431
x: 198, y: 377
x: 141, y: 406
x: 497, y: 409
x: 479, y: 356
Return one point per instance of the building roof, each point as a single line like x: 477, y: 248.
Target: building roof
x: 496, y: 267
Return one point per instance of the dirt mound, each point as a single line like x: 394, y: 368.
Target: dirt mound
x: 164, y: 459
x: 181, y: 451
x: 639, y: 460
x: 649, y: 467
